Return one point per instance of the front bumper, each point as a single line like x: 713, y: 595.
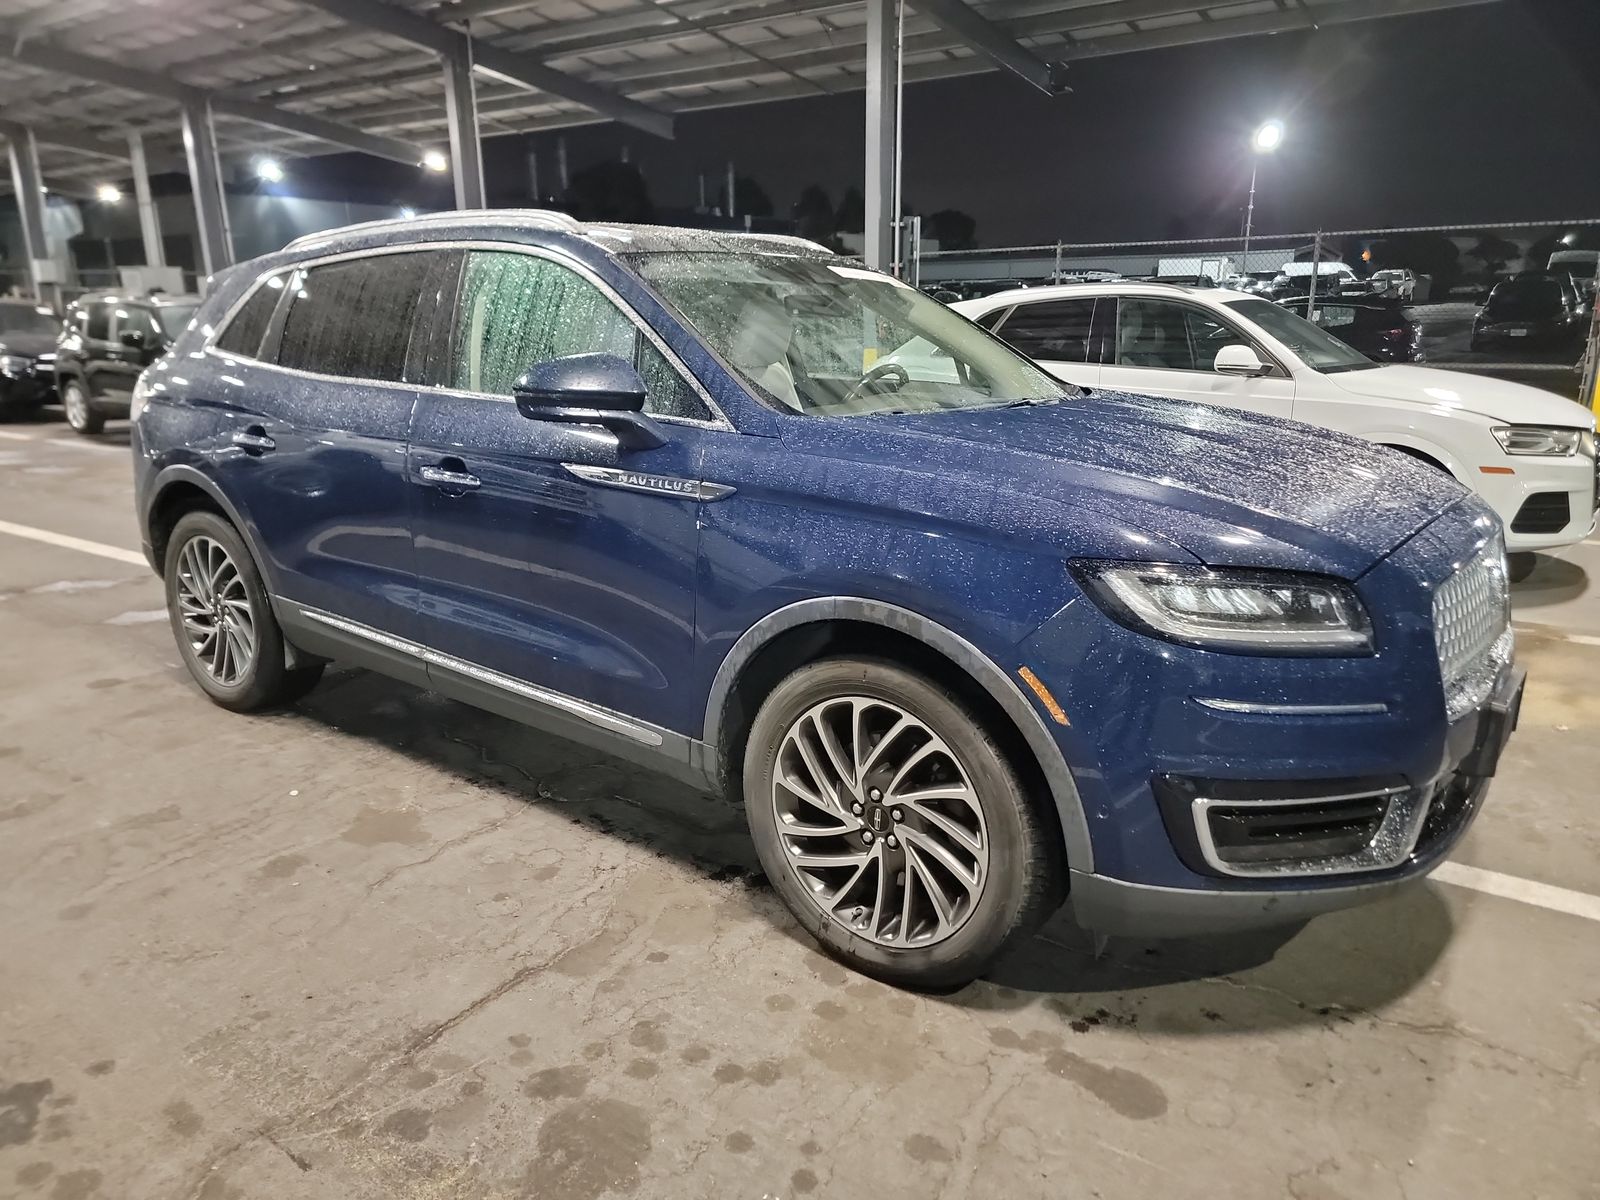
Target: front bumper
x: 1126, y: 908
x: 1540, y: 480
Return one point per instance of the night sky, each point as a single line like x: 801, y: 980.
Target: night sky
x: 1468, y: 116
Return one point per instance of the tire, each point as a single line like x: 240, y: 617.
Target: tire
x: 1011, y: 856
x: 211, y: 577
x: 81, y: 413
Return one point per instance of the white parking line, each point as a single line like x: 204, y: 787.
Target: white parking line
x: 1508, y: 887
x: 15, y: 437
x: 67, y: 542
x: 1525, y: 891
x: 1580, y: 639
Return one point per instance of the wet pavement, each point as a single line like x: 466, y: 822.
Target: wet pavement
x: 383, y: 945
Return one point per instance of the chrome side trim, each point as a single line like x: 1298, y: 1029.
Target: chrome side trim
x: 605, y: 718
x: 1290, y: 710
x: 1391, y: 845
x: 661, y: 485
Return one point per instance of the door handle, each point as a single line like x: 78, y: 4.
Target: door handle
x: 449, y: 480
x: 253, y: 439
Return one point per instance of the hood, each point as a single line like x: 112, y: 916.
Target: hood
x: 31, y: 344
x: 1230, y: 488
x: 1514, y: 403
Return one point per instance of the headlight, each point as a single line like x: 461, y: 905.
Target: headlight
x: 140, y: 396
x: 15, y: 364
x: 1244, y: 612
x: 1537, y: 439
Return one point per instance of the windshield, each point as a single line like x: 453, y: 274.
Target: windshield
x: 826, y: 338
x: 173, y: 319
x: 1319, y: 350
x: 25, y: 318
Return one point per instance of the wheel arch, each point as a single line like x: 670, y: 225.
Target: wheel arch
x: 801, y: 632
x: 1423, y: 451
x: 180, y: 489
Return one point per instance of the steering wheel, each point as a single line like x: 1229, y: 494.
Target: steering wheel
x: 878, y: 379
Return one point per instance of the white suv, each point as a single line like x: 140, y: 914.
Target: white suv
x: 1529, y: 453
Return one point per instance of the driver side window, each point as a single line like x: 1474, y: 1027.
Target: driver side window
x: 516, y: 310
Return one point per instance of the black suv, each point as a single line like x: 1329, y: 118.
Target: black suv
x: 28, y: 333
x: 107, y: 342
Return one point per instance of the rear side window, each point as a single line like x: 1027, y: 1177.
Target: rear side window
x: 1057, y: 330
x: 517, y: 310
x: 98, y: 327
x: 354, y: 318
x: 243, y: 334
x: 987, y: 321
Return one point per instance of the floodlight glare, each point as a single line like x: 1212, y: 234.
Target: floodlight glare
x: 270, y: 170
x: 1268, y: 138
x: 435, y: 161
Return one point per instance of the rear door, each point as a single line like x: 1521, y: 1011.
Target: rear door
x: 1167, y: 347
x: 1059, y: 334
x: 120, y: 368
x: 546, y: 554
x: 313, y: 440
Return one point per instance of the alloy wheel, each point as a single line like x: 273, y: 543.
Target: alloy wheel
x: 76, y: 405
x: 880, y: 822
x: 214, y: 607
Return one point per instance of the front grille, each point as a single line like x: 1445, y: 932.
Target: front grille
x: 1294, y: 833
x: 1472, y: 629
x: 1542, y: 512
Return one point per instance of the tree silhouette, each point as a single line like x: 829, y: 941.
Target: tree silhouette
x: 752, y: 198
x: 610, y: 191
x: 852, y: 214
x: 1494, y: 252
x: 813, y: 215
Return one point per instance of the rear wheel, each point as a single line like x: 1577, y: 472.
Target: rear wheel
x: 223, y: 622
x: 893, y: 826
x: 81, y: 414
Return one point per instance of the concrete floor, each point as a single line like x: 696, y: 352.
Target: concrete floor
x: 386, y: 946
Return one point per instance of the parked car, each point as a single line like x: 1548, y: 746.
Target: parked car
x: 1398, y: 283
x: 1383, y: 330
x: 1333, y: 279
x: 1582, y: 265
x: 106, y: 341
x: 1535, y: 308
x: 28, y: 333
x: 965, y: 641
x: 1529, y: 453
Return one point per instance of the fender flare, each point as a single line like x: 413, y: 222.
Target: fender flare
x: 184, y: 473
x: 1409, y: 441
x: 983, y: 670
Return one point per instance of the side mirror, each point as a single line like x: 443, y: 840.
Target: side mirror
x: 134, y: 339
x: 1239, y: 359
x: 589, y: 389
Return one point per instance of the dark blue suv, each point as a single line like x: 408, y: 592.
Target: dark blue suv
x: 968, y: 641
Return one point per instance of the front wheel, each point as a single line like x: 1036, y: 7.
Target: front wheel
x: 223, y: 621
x: 81, y: 414
x: 893, y: 826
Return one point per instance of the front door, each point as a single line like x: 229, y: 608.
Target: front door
x: 123, y: 361
x: 1168, y: 348
x: 546, y: 554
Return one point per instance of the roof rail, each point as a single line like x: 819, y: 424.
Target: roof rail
x: 542, y: 217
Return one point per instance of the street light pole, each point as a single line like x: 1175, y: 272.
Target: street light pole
x: 1249, y: 217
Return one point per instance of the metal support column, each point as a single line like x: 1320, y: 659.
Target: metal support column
x: 149, y: 223
x: 205, y: 181
x: 883, y: 61
x: 461, y: 113
x: 29, y: 187
x: 1311, y: 293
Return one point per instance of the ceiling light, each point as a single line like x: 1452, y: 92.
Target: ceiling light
x: 435, y: 161
x: 108, y: 193
x: 270, y: 170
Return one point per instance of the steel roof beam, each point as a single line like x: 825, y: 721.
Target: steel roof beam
x: 984, y: 36
x: 130, y: 79
x: 525, y: 70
